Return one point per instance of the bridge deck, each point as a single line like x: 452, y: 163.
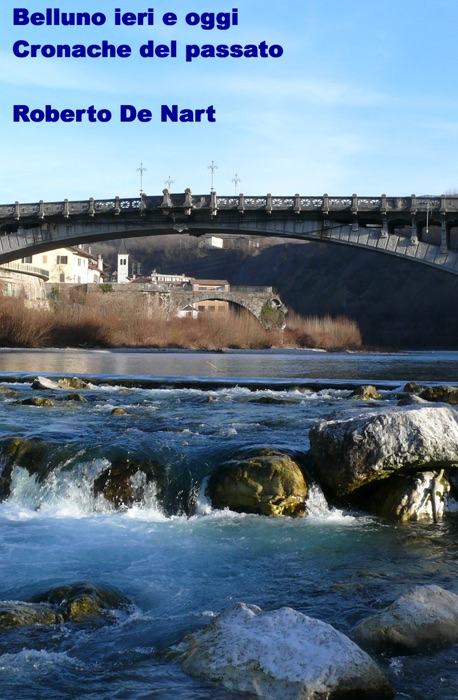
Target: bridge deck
x: 390, y: 225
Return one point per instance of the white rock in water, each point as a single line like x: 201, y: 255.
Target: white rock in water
x: 423, y: 617
x: 281, y: 655
x: 356, y: 450
x: 45, y: 383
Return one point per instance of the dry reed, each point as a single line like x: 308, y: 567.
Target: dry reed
x: 101, y: 322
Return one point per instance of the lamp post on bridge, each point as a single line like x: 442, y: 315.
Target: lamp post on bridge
x: 169, y: 182
x: 212, y: 167
x: 141, y: 170
x: 236, y: 181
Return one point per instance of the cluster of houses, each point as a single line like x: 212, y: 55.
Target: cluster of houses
x: 77, y: 265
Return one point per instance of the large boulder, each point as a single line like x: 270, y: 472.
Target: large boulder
x: 263, y: 481
x: 281, y: 655
x: 406, y: 497
x: 356, y: 450
x: 424, y: 617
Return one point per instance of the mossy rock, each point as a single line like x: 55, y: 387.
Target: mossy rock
x: 8, y: 393
x: 80, y: 601
x: 16, y: 614
x: 118, y: 412
x: 366, y: 393
x: 442, y: 393
x: 72, y: 383
x: 125, y: 482
x: 76, y: 397
x: 28, y: 453
x: 37, y: 401
x: 264, y: 481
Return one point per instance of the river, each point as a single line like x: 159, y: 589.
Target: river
x: 179, y: 561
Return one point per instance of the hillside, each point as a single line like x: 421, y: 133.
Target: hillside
x: 397, y: 304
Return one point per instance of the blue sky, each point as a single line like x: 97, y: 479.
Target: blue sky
x: 364, y: 99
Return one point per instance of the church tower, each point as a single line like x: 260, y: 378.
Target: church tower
x: 123, y: 264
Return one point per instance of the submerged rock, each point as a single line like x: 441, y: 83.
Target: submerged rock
x: 79, y: 601
x: 357, y: 450
x: 118, y: 412
x: 423, y: 617
x: 264, y: 482
x: 409, y: 497
x: 411, y: 400
x: 126, y: 482
x: 281, y: 655
x: 75, y: 397
x: 37, y: 401
x: 367, y: 392
x: 15, y: 614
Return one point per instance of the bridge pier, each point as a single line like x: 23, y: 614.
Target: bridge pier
x: 445, y: 236
x: 415, y: 234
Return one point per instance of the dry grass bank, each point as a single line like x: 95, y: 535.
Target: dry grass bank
x: 103, y: 324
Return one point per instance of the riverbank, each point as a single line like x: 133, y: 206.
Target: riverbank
x: 106, y: 325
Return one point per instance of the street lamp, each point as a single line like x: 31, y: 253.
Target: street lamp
x: 236, y: 181
x: 212, y: 167
x: 141, y: 170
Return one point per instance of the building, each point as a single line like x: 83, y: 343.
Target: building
x: 123, y: 264
x: 72, y: 265
x: 210, y: 285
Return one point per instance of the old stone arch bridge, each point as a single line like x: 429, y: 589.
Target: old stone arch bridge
x: 262, y: 302
x: 396, y: 226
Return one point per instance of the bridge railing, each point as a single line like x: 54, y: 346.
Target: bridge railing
x: 27, y: 269
x: 188, y: 202
x: 251, y: 290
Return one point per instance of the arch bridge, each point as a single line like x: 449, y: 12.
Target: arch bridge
x: 391, y: 225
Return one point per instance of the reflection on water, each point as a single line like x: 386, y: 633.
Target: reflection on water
x: 420, y: 366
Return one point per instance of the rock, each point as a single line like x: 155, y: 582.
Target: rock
x: 75, y: 397
x: 411, y: 400
x: 353, y: 451
x: 281, y: 655
x: 414, y: 388
x: 409, y: 497
x: 81, y: 600
x: 424, y: 617
x: 8, y: 393
x: 37, y: 401
x: 118, y: 412
x: 264, y: 482
x: 27, y: 452
x: 364, y: 393
x: 443, y: 393
x: 127, y: 481
x: 72, y: 383
x: 15, y: 614
x: 43, y: 383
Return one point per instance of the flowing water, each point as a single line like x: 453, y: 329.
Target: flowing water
x: 179, y: 561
